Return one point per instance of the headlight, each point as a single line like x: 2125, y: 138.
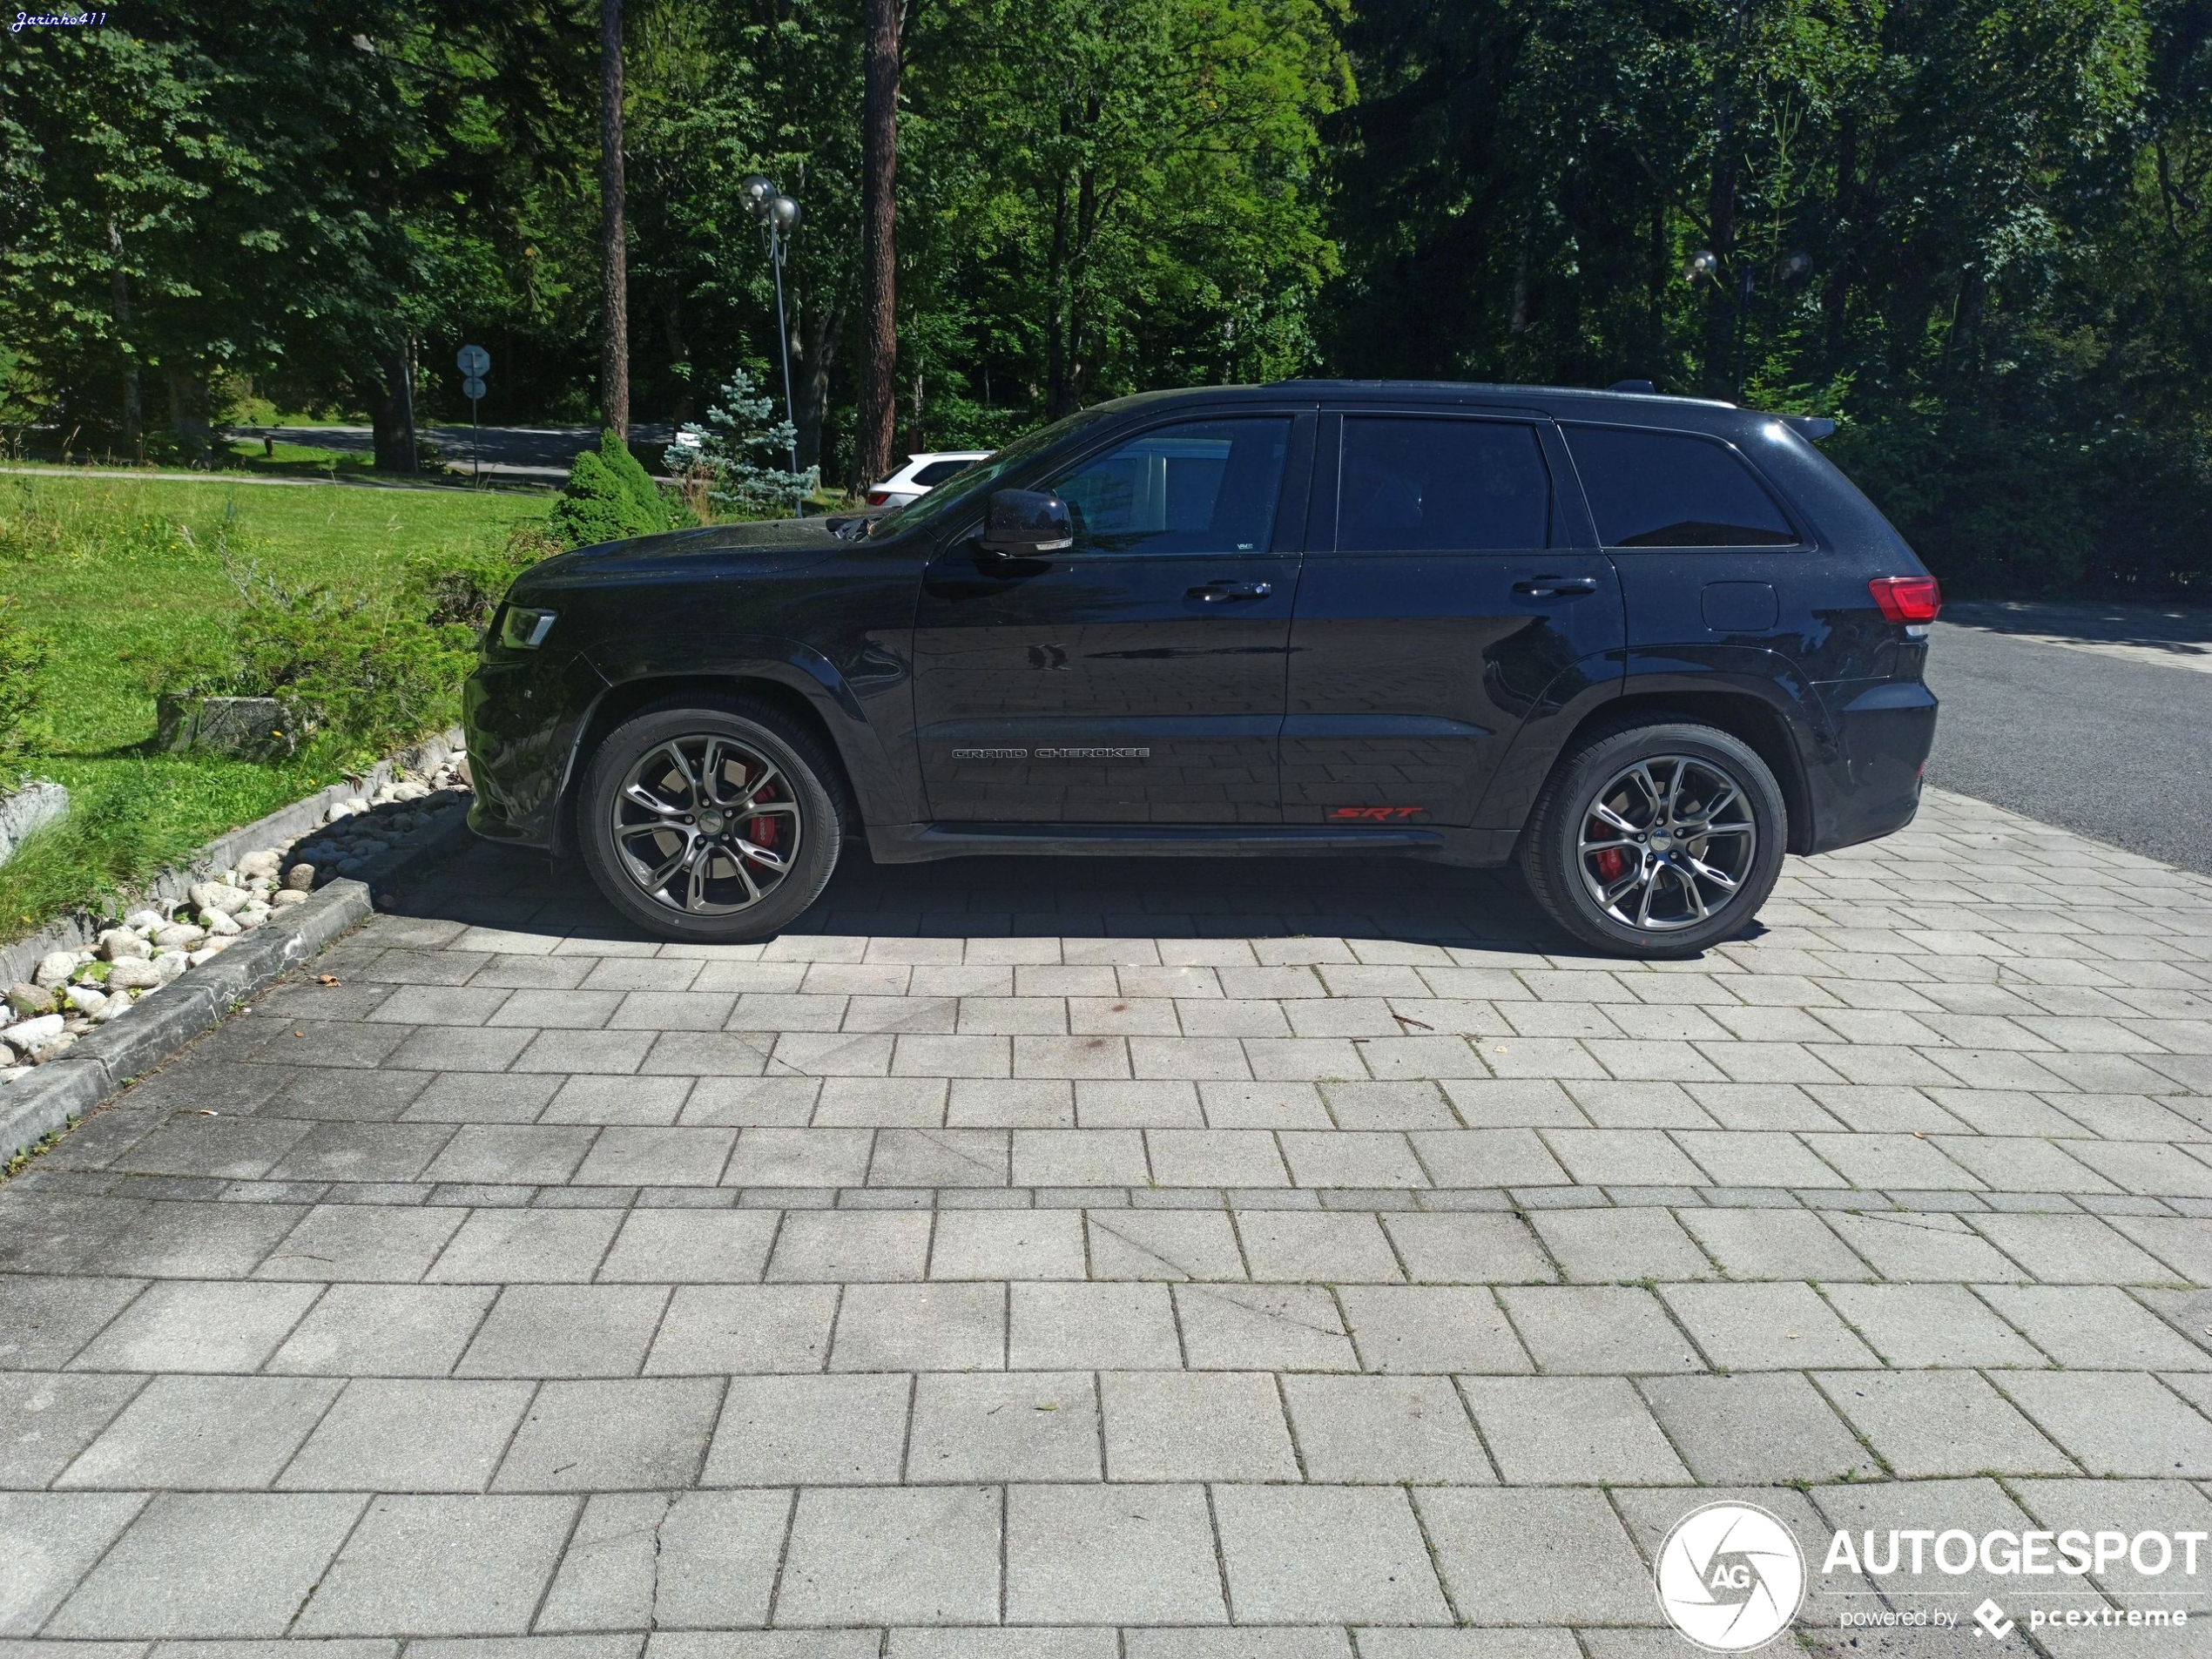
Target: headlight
x: 523, y: 628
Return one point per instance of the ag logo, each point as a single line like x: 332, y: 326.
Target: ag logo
x: 1731, y: 1577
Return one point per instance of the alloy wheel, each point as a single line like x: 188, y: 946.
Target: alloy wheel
x: 707, y: 825
x: 1667, y: 843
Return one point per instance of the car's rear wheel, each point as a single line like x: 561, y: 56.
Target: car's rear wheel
x: 1656, y: 840
x: 711, y: 821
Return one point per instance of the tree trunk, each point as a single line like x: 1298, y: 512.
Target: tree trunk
x: 188, y: 415
x: 134, y: 415
x: 878, y: 414
x: 387, y: 412
x: 811, y: 378
x: 614, y: 375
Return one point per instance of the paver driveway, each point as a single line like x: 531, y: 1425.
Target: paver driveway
x: 1221, y: 1258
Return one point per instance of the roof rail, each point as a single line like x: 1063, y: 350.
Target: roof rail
x: 1643, y: 387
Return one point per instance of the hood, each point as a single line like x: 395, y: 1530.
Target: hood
x: 767, y: 545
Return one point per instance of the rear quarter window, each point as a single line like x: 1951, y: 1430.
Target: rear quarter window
x: 937, y: 471
x: 1672, y: 489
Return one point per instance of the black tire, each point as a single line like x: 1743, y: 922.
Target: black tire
x: 727, y: 741
x: 1572, y: 874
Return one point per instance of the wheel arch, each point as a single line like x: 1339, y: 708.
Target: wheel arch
x: 618, y: 703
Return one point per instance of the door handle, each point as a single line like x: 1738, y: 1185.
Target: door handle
x: 1557, y: 587
x: 1214, y: 592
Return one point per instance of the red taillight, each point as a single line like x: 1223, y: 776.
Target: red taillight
x: 1906, y: 598
x: 877, y: 497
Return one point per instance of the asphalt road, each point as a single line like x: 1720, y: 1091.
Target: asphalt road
x: 2100, y: 740
x: 541, y: 454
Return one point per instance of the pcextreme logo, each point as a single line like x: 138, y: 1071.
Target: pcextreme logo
x: 1731, y: 1577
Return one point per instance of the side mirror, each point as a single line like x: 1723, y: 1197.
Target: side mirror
x: 1022, y: 523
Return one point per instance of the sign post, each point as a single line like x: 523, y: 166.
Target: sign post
x: 474, y: 362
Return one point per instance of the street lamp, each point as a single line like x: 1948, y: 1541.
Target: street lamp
x: 779, y: 216
x: 1705, y: 266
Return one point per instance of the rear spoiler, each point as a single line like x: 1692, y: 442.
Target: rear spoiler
x: 1815, y: 426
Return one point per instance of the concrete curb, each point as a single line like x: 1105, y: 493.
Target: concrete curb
x: 165, y: 1020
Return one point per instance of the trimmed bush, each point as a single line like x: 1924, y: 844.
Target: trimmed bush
x: 632, y: 475
x: 595, y: 506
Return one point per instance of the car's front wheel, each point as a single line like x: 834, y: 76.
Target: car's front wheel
x: 1656, y: 840
x: 710, y: 821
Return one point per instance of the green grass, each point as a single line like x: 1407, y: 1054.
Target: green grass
x: 124, y: 573
x: 284, y: 460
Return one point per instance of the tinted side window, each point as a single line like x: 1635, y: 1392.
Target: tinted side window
x: 1441, y: 486
x: 1666, y: 490
x: 937, y: 471
x: 1203, y: 487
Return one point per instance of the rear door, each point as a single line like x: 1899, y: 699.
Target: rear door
x: 1451, y: 593
x: 1137, y: 677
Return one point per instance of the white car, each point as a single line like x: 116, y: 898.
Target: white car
x: 921, y: 473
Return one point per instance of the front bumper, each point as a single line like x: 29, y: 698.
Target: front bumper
x: 523, y: 716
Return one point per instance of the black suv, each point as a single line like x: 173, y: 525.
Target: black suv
x: 1643, y: 646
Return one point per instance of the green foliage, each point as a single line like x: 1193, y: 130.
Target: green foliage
x: 463, y: 592
x: 632, y: 476
x: 595, y: 506
x: 733, y: 464
x: 22, y: 681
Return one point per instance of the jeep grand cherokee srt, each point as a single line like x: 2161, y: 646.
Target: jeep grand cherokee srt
x: 1643, y: 646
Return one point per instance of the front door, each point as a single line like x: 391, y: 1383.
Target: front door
x: 1138, y: 677
x: 1447, y: 598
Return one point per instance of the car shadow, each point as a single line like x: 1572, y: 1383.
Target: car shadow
x: 1370, y: 899
x: 2174, y: 631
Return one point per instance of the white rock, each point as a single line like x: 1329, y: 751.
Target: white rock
x: 118, y: 1006
x: 9, y: 1074
x: 219, y: 923
x: 300, y: 878
x: 356, y: 803
x: 217, y: 895
x: 337, y: 809
x: 119, y: 944
x: 208, y: 952
x: 171, y: 963
x: 136, y: 973
x: 264, y: 864
x: 253, y: 915
x: 289, y: 897
x: 410, y: 790
x: 179, y: 935
x: 27, y: 1036
x: 54, y: 967
x: 55, y: 1049
x: 142, y: 918
x: 85, y: 1000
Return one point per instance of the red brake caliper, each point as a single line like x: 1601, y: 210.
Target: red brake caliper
x: 764, y: 830
x: 1611, y: 862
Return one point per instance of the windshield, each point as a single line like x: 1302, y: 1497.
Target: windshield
x: 979, y: 477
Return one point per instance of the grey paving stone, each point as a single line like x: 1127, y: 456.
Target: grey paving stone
x: 1922, y: 1248
x: 1162, y: 1245
x: 1215, y: 1158
x: 44, y: 1321
x: 435, y: 1566
x: 664, y: 1156
x: 1280, y: 1643
x: 1759, y: 1428
x: 922, y: 1327
x: 1599, y: 1329
x: 1096, y: 1327
x: 1773, y: 1244
x: 566, y: 1331
x: 185, y: 1325
x: 1007, y: 1245
x: 49, y: 1540
x: 2070, y: 1250
x: 386, y: 1330
x: 46, y: 1418
x: 1610, y: 1157
x: 904, y: 1555
x: 767, y: 1156
x: 526, y: 1246
x: 651, y: 1559
x: 1326, y: 1554
x: 1595, y: 1245
x: 1975, y: 1507
x: 699, y: 1246
x: 1469, y: 1249
x: 409, y: 1436
x: 1537, y: 1557
x: 204, y: 1432
x: 1393, y: 1429
x: 362, y: 1242
x: 1570, y: 1430
x: 649, y: 1433
x: 1430, y: 1328
x: 1479, y: 1644
x: 2130, y: 1507
x: 2094, y: 1327
x: 1764, y: 1327
x: 1931, y: 1325
x: 1942, y: 1423
x: 825, y: 1431
x: 1263, y: 1327
x: 740, y: 1328
x: 1083, y: 1555
x: 2116, y: 1423
x: 203, y: 1564
x: 830, y: 1246
x: 1028, y: 1426
x: 1195, y: 1426
x: 1292, y: 1245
